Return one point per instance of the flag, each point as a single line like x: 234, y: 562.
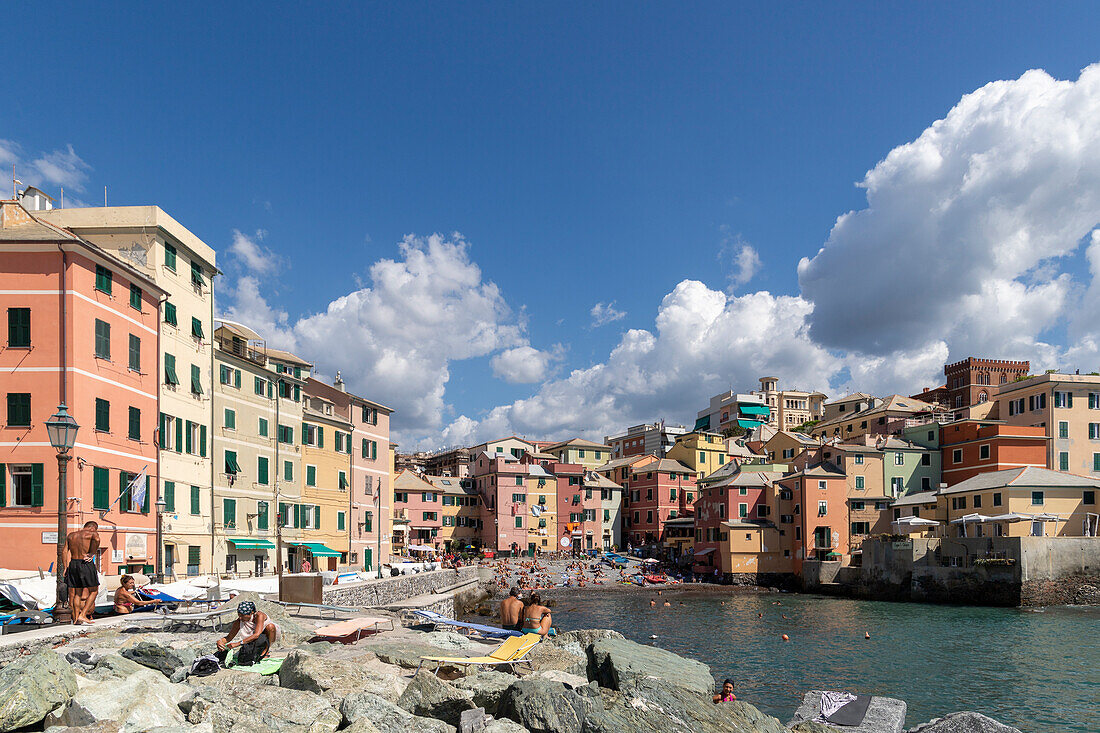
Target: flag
x: 137, y: 490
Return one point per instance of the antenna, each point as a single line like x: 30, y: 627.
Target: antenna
x: 105, y: 197
x: 62, y: 197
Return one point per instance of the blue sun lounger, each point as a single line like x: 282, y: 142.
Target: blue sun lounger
x: 493, y: 631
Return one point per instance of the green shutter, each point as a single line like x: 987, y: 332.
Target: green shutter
x: 261, y: 470
x: 123, y: 494
x: 229, y: 513
x: 237, y: 378
x: 340, y: 521
x: 102, y: 339
x: 135, y: 353
x: 196, y: 379
x: 102, y: 415
x: 320, y: 436
x: 316, y: 517
x: 179, y: 435
x: 170, y: 314
x: 339, y: 438
x: 103, y: 279
x: 145, y: 500
x: 101, y: 488
x: 189, y: 447
x: 368, y: 521
x: 195, y: 509
x: 297, y: 516
x: 231, y: 462
x: 3, y: 485
x: 263, y: 427
x: 261, y: 515
x: 170, y: 370
x: 230, y: 419
x: 135, y: 424
x: 196, y: 274
x: 135, y: 297
x: 311, y: 475
x: 196, y: 328
x: 170, y: 256
x: 37, y: 493
x: 364, y: 447
x: 194, y: 553
x: 284, y: 516
x: 19, y: 327
x: 288, y: 471
x: 202, y: 441
x: 170, y: 496
x: 297, y: 393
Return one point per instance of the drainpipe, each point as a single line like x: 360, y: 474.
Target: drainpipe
x: 159, y: 442
x: 210, y: 421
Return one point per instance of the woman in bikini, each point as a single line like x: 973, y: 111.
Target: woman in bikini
x: 125, y: 600
x: 536, y: 617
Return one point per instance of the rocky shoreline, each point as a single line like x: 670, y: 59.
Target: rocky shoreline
x: 590, y: 681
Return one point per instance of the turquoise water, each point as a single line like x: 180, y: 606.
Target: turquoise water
x: 1036, y: 670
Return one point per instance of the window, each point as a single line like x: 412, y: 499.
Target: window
x: 1094, y: 431
x: 285, y: 434
x: 1096, y: 461
x: 1089, y: 497
x: 225, y: 374
x: 977, y: 501
x: 858, y: 460
x: 519, y: 498
x: 231, y: 466
x: 925, y: 483
x: 1063, y: 429
x: 857, y: 506
x: 259, y: 386
x: 19, y: 328
x: 899, y: 459
x: 230, y: 419
x: 649, y: 517
x: 195, y: 500
x: 1063, y: 399
x: 370, y: 449
x: 339, y: 441
x: 102, y: 415
x: 343, y: 481
x: 742, y: 509
x: 102, y: 339
x: 26, y: 484
x: 288, y: 471
x: 19, y: 409
x: 340, y: 521
x: 103, y: 279
x: 196, y: 274
x: 983, y: 452
x: 822, y: 485
x: 134, y: 432
x: 822, y: 508
x: 860, y: 482
x: 1036, y: 498
x: 229, y: 513
x: 368, y: 520
x: 170, y: 370
x: 957, y: 455
x: 196, y: 380
x: 1063, y: 461
x: 311, y: 475
x: 135, y: 298
x: 196, y: 329
x: 926, y: 459
x: 263, y: 427
x: 519, y: 522
x: 519, y: 480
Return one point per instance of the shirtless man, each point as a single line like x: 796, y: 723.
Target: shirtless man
x: 511, y: 609
x: 81, y: 575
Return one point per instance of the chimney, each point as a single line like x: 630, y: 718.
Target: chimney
x: 338, y: 383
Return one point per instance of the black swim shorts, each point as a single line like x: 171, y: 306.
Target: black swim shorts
x: 81, y: 574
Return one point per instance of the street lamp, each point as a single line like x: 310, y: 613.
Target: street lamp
x: 61, y: 429
x: 161, y: 505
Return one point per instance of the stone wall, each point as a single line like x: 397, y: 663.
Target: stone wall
x: 389, y: 591
x: 763, y: 580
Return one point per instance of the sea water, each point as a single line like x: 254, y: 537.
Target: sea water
x: 1035, y: 669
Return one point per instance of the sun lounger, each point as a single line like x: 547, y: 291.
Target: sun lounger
x: 26, y: 617
x: 197, y: 619
x: 343, y: 631
x: 491, y: 631
x: 513, y: 651
x: 321, y: 607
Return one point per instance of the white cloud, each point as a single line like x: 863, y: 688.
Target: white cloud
x: 521, y: 365
x: 740, y: 257
x: 252, y: 255
x: 964, y: 227
x: 604, y: 313
x: 48, y: 171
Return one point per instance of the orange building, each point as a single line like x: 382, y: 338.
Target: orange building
x: 971, y: 447
x: 81, y: 329
x: 813, y: 515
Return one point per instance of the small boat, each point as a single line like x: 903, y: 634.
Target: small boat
x: 655, y: 579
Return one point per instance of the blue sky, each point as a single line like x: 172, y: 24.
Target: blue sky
x: 586, y: 155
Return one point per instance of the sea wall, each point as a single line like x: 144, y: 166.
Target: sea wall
x: 390, y: 591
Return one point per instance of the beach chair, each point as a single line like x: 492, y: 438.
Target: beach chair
x: 321, y: 608
x: 197, y: 619
x: 344, y: 630
x: 481, y: 630
x: 513, y: 651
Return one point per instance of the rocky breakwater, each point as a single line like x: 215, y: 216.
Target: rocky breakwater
x: 580, y: 682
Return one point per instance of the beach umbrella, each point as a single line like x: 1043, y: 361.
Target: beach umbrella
x: 1012, y: 517
x: 970, y: 519
x: 908, y: 525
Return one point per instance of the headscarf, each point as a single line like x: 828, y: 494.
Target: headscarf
x: 246, y: 608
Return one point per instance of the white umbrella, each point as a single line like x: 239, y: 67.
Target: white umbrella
x: 914, y: 524
x: 1012, y: 517
x: 970, y: 519
x: 1046, y: 517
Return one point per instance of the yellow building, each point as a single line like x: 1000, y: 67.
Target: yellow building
x: 326, y: 465
x: 787, y: 445
x: 924, y: 505
x: 1067, y: 406
x: 1020, y: 502
x: 581, y: 452
x: 459, y: 512
x: 752, y: 548
x: 702, y: 452
x: 542, y: 502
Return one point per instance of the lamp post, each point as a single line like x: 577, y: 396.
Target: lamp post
x: 61, y: 429
x: 161, y: 505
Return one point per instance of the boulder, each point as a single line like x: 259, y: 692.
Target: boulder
x: 884, y: 714
x: 809, y: 726
x: 964, y: 722
x: 571, y: 681
x: 668, y: 707
x: 106, y: 726
x: 582, y: 638
x: 113, y: 666
x: 621, y: 665
x: 161, y: 657
x: 365, y: 707
x: 545, y: 706
x: 450, y: 641
x: 548, y: 657
x: 336, y: 679
x: 246, y: 708
x: 138, y: 702
x: 503, y: 725
x: 30, y: 687
x: 361, y: 726
x: 487, y: 686
x: 431, y: 697
x: 405, y: 653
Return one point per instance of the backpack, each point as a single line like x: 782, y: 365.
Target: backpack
x: 205, y: 666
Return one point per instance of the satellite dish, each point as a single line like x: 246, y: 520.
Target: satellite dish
x: 565, y: 542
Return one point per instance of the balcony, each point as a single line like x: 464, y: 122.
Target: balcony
x: 240, y: 348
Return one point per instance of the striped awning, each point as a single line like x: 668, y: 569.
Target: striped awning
x: 319, y: 550
x: 252, y: 544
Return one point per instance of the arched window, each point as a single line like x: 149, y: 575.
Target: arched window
x: 982, y: 396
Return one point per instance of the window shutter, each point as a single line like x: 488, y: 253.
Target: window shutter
x: 237, y: 378
x: 261, y: 512
x: 202, y: 441
x: 3, y: 485
x: 190, y: 448
x: 170, y: 496
x: 101, y: 488
x: 195, y: 500
x: 283, y: 519
x: 261, y: 470
x: 297, y: 393
x: 320, y: 436
x: 145, y: 501
x: 340, y: 521
x: 135, y: 423
x: 364, y: 447
x: 316, y: 517
x: 123, y: 499
x: 102, y: 415
x: 179, y: 435
x: 297, y: 516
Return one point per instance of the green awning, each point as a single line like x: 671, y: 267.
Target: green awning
x: 754, y: 409
x: 748, y: 424
x: 252, y: 544
x: 319, y: 550
x: 231, y: 464
x: 703, y: 423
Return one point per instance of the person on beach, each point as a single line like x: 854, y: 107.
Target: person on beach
x: 81, y: 575
x: 258, y: 633
x: 125, y: 600
x: 536, y: 617
x: 726, y: 695
x: 511, y: 611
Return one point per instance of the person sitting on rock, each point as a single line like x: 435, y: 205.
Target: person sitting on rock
x: 125, y: 600
x: 536, y: 617
x: 727, y: 693
x: 258, y: 633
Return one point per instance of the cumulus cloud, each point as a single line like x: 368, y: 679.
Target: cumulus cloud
x: 703, y: 341
x: 961, y: 239
x: 521, y: 365
x: 251, y: 254
x: 49, y: 171
x: 605, y: 313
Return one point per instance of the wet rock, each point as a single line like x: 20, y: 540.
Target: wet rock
x: 335, y: 679
x: 159, y: 656
x: 620, y: 665
x: 545, y: 706
x: 30, y: 687
x: 487, y: 686
x: 884, y: 714
x: 964, y: 722
x: 138, y: 702
x: 364, y: 707
x: 247, y: 708
x: 431, y: 697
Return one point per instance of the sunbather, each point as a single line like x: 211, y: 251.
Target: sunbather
x: 258, y: 633
x: 125, y: 600
x: 536, y: 617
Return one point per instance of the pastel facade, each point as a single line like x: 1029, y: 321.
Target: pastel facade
x: 460, y: 513
x: 789, y: 408
x: 372, y: 473
x: 732, y: 411
x: 889, y: 413
x: 1067, y: 407
x: 543, y: 500
x: 814, y: 504
x: 80, y: 327
x: 327, y: 449
x: 972, y: 447
x: 501, y: 482
x: 646, y: 439
x: 417, y: 502
x: 183, y: 266
x: 579, y: 507
x: 742, y: 497
x: 580, y: 452
x: 610, y: 511
x: 702, y: 452
x: 657, y: 491
x: 787, y: 445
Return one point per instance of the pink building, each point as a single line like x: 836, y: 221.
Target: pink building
x: 417, y: 503
x: 81, y: 328
x: 500, y: 480
x: 742, y: 496
x: 657, y: 491
x: 579, y: 507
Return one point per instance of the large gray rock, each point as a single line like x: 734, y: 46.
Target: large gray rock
x: 107, y: 726
x: 964, y: 722
x: 408, y: 654
x: 254, y: 708
x: 30, y: 687
x: 161, y: 657
x: 139, y: 702
x: 548, y: 657
x: 487, y: 686
x: 675, y: 708
x: 545, y: 706
x: 431, y: 697
x: 810, y: 726
x: 503, y: 725
x: 113, y: 666
x: 582, y: 638
x: 884, y: 714
x: 335, y: 679
x: 363, y: 707
x: 621, y: 665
